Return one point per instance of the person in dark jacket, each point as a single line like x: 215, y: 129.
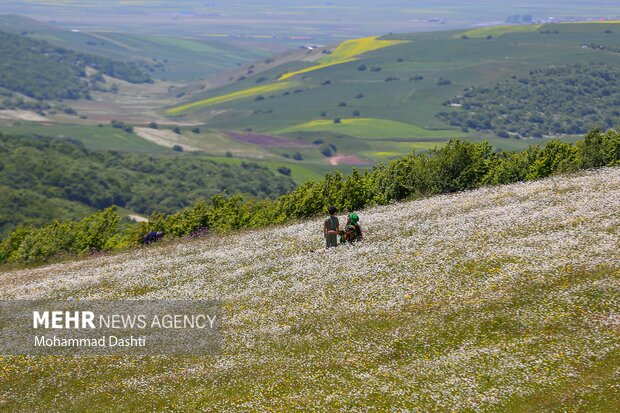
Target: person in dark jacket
x: 153, y: 236
x: 331, y: 228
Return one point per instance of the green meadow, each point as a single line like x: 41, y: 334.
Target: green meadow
x: 92, y: 136
x: 371, y: 128
x: 405, y: 82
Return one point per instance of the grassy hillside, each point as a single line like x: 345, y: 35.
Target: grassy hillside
x: 403, y: 78
x: 499, y: 299
x: 165, y: 57
x: 372, y: 99
x: 39, y: 70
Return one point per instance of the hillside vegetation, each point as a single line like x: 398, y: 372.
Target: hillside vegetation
x: 39, y: 70
x: 407, y: 78
x: 502, y: 299
x: 455, y: 167
x: 171, y: 56
x: 45, y: 179
x: 347, y: 51
x: 567, y: 99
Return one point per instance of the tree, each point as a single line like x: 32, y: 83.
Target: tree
x: 284, y: 171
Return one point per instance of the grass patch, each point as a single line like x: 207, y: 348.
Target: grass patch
x: 497, y: 31
x: 300, y: 173
x: 371, y: 128
x: 93, y: 137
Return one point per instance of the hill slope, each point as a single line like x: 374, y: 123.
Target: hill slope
x: 398, y: 84
x: 170, y: 57
x: 499, y: 299
x: 74, y: 180
x: 39, y: 70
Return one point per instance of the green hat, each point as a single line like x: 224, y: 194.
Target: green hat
x: 354, y: 218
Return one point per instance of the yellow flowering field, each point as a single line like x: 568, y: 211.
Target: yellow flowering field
x: 346, y: 52
x: 229, y: 97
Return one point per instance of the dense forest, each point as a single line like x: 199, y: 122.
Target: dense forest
x: 39, y: 70
x: 42, y: 179
x: 568, y: 99
x: 457, y: 166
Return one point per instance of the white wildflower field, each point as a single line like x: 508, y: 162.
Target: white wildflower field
x: 499, y: 299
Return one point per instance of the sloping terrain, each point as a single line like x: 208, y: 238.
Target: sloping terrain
x: 368, y: 99
x: 499, y: 299
x: 72, y: 180
x: 403, y: 78
x: 170, y: 57
x: 39, y: 70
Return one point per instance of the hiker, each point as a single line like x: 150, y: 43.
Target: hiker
x: 331, y: 228
x: 153, y: 236
x: 353, y: 230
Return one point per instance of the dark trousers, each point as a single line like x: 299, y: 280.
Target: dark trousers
x: 331, y: 240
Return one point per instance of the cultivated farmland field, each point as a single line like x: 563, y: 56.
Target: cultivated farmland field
x: 372, y: 129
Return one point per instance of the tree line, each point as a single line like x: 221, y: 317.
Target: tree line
x: 45, y: 178
x: 457, y: 166
x: 568, y: 99
x: 42, y: 71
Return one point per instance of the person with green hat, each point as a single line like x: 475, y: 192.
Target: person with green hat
x: 353, y: 230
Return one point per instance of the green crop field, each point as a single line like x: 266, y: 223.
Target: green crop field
x: 300, y: 172
x: 372, y: 128
x: 404, y: 82
x: 496, y: 31
x: 93, y: 137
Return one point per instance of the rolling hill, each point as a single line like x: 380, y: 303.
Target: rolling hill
x: 498, y: 299
x: 73, y: 181
x: 41, y: 71
x: 364, y: 101
x: 398, y: 84
x: 167, y: 57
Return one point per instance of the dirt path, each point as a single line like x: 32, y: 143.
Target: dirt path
x: 163, y: 137
x: 22, y: 115
x: 347, y: 160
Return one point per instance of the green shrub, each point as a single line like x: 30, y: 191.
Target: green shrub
x: 455, y: 167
